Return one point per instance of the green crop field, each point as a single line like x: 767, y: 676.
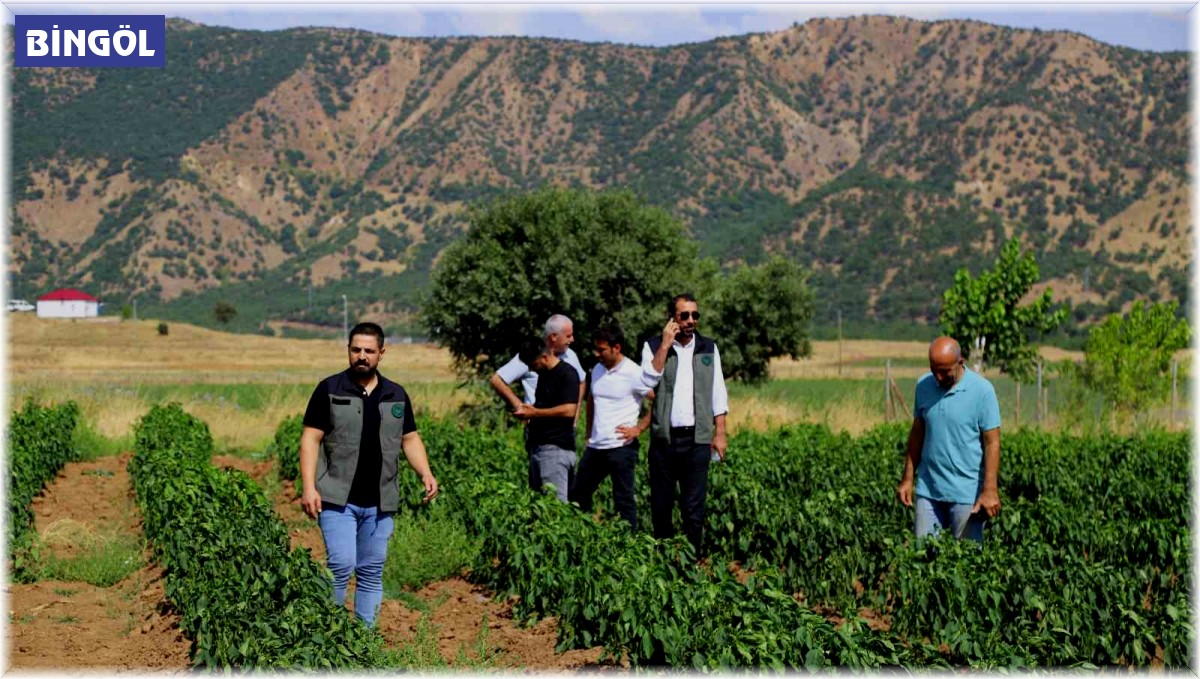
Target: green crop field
x: 811, y: 558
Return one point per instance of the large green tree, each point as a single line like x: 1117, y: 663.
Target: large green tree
x: 759, y: 313
x: 1128, y: 358
x: 989, y: 307
x: 601, y: 258
x: 596, y: 257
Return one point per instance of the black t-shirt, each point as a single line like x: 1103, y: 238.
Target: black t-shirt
x: 364, y: 489
x: 555, y: 387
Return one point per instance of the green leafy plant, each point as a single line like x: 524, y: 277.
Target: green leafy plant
x: 517, y: 264
x: 762, y: 312
x: 988, y: 308
x: 40, y: 442
x: 244, y: 597
x: 285, y: 447
x: 1128, y: 357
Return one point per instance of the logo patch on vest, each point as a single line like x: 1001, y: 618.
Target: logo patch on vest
x: 397, y: 410
x: 706, y: 360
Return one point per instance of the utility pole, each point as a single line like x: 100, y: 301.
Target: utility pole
x: 345, y: 320
x: 887, y: 390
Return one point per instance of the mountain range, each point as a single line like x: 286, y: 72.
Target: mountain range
x: 278, y: 171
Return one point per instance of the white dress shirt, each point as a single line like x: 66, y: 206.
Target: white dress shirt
x: 683, y: 407
x: 517, y: 370
x: 616, y: 400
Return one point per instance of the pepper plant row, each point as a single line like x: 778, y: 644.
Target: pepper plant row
x: 633, y: 595
x: 39, y: 444
x: 245, y: 599
x: 1088, y: 564
x: 1089, y: 561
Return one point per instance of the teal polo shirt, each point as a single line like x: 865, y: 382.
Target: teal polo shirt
x: 951, y: 468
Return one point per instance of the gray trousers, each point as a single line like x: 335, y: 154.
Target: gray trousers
x: 552, y: 465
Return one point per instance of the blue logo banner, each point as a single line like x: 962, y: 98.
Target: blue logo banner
x: 93, y: 40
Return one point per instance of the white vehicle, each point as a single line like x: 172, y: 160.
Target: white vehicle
x: 20, y: 305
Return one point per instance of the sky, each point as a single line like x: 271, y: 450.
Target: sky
x: 1146, y: 26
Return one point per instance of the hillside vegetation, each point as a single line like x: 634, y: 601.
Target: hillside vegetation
x: 281, y: 170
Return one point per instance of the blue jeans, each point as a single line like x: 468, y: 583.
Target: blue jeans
x: 934, y: 516
x: 356, y: 541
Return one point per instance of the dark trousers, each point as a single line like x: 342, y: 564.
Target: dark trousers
x: 682, y: 463
x: 596, y: 464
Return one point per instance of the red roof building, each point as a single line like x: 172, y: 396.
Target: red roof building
x: 67, y: 303
x: 67, y: 295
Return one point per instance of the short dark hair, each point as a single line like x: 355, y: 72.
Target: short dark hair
x: 610, y: 335
x: 367, y: 328
x: 685, y: 296
x: 530, y: 350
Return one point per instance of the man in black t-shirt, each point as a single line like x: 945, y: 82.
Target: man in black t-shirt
x: 356, y: 424
x: 551, y: 419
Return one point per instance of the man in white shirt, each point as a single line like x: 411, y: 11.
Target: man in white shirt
x: 559, y: 333
x: 687, y: 426
x: 613, y: 426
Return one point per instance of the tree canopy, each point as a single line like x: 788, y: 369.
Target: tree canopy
x: 595, y: 257
x: 600, y: 258
x: 1128, y: 357
x: 989, y: 307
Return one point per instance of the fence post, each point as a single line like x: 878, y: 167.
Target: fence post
x: 887, y: 390
x: 1018, y: 418
x: 1174, y: 391
x: 1040, y: 408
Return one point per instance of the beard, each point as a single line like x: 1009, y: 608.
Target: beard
x: 362, y: 369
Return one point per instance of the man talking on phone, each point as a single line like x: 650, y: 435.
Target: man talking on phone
x: 687, y: 425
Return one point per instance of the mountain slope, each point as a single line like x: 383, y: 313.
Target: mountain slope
x: 271, y: 169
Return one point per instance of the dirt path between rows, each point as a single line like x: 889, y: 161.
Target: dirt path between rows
x: 466, y: 619
x: 74, y: 625
x: 131, y: 627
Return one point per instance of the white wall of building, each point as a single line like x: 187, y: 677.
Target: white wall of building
x: 67, y: 309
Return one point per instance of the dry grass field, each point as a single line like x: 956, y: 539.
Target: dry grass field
x: 244, y: 385
x: 116, y: 369
x: 110, y: 351
x: 864, y: 359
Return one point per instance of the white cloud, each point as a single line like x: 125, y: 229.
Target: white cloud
x: 669, y: 24
x: 628, y: 24
x: 490, y: 21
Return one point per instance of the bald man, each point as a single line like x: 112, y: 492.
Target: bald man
x: 953, y: 448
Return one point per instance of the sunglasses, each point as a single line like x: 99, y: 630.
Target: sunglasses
x: 684, y: 315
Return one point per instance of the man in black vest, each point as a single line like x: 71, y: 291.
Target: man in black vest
x: 356, y: 424
x: 687, y: 426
